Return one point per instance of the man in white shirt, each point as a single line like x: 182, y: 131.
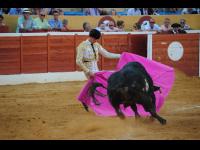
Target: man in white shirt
x: 150, y: 26
x: 88, y: 54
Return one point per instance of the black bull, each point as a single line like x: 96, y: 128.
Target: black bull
x: 130, y: 86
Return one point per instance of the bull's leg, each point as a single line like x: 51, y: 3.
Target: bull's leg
x: 118, y: 111
x: 96, y: 102
x: 134, y: 108
x: 160, y: 119
x: 85, y: 106
x: 154, y: 104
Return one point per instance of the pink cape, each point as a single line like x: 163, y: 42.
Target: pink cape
x: 162, y: 75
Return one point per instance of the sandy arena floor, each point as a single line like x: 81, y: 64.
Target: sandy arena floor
x: 51, y: 111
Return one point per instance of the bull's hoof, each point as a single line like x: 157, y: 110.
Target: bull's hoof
x: 151, y: 118
x: 163, y: 121
x: 121, y: 116
x: 85, y: 107
x: 137, y: 116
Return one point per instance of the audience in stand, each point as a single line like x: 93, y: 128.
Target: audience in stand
x: 120, y: 25
x: 133, y: 11
x: 150, y: 26
x: 176, y: 29
x: 112, y: 27
x: 136, y: 27
x: 166, y: 27
x: 183, y: 24
x: 1, y: 21
x: 25, y: 21
x: 65, y: 25
x: 55, y: 23
x: 87, y: 27
x: 93, y: 11
x: 15, y: 11
x: 40, y: 22
x: 113, y: 12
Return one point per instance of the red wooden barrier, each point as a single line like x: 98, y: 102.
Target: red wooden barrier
x: 116, y: 44
x: 34, y: 54
x: 138, y: 44
x: 57, y: 53
x: 10, y: 55
x: 189, y: 63
x: 61, y: 53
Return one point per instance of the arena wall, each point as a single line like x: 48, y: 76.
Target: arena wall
x: 35, y: 56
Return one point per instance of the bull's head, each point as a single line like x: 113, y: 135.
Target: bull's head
x: 141, y: 93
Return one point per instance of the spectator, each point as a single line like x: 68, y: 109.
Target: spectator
x: 102, y: 28
x: 147, y: 11
x: 166, y: 27
x: 155, y: 11
x: 35, y: 11
x: 177, y: 29
x: 93, y: 11
x: 183, y: 24
x: 198, y: 10
x: 86, y: 27
x: 112, y: 27
x: 55, y: 23
x: 103, y: 12
x: 150, y: 26
x: 144, y: 11
x: 51, y: 10
x: 4, y: 10
x: 136, y: 27
x: 1, y: 21
x: 1, y: 11
x: 133, y: 12
x: 25, y: 21
x: 187, y: 11
x: 65, y: 25
x: 120, y: 25
x: 48, y: 10
x: 40, y: 22
x: 113, y: 12
x: 15, y: 11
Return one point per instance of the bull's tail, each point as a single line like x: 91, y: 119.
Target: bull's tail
x: 93, y: 90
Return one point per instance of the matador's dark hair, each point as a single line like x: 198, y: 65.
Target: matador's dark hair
x: 95, y: 33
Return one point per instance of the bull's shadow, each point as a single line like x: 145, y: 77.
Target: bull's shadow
x: 129, y: 86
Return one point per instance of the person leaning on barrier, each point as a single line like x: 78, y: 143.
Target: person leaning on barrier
x: 88, y: 54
